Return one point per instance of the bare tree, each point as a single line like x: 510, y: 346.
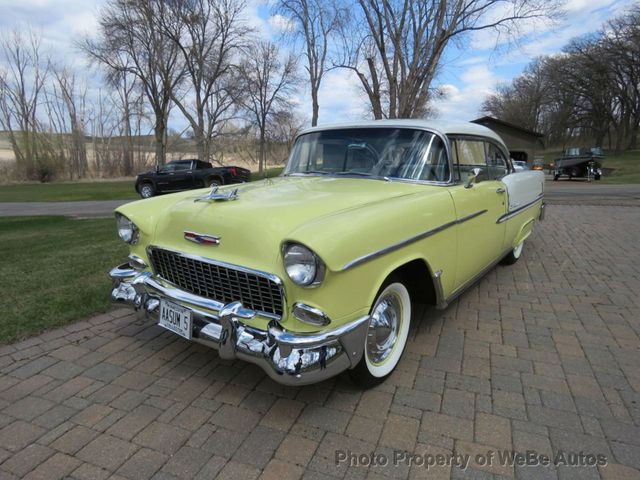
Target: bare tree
x: 588, y: 93
x: 70, y: 100
x: 314, y: 23
x: 208, y: 34
x: 130, y: 39
x: 620, y: 46
x: 395, y: 46
x: 267, y: 85
x: 522, y: 101
x: 22, y: 81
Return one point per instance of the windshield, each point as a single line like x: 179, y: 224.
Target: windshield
x: 371, y: 152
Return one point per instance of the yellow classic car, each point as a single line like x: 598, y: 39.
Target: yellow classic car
x: 315, y: 272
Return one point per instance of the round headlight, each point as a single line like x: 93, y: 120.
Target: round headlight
x: 127, y: 230
x: 302, y: 265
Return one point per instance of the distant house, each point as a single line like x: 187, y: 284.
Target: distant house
x: 523, y: 144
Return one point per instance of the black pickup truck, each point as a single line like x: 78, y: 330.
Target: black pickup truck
x: 187, y: 174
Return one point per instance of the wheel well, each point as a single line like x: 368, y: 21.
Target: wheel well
x: 217, y: 178
x: 145, y: 182
x: 418, y: 280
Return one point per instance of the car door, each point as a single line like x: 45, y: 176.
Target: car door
x: 478, y: 205
x: 182, y: 176
x: 173, y: 176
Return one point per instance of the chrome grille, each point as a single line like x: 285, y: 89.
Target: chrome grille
x: 218, y: 282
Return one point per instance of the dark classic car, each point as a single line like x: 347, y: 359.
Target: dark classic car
x: 579, y: 163
x: 185, y: 175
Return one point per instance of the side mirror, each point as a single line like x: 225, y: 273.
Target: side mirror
x: 475, y: 177
x: 157, y: 168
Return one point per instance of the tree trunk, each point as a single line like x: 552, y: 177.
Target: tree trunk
x: 128, y: 148
x: 201, y: 146
x: 262, y: 153
x: 315, y: 107
x: 159, y: 132
x: 633, y: 136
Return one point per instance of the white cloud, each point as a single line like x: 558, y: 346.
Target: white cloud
x: 282, y: 23
x: 341, y: 98
x: 587, y: 5
x: 462, y: 102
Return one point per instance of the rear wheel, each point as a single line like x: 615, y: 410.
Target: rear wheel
x: 214, y: 181
x: 147, y: 190
x: 386, y: 335
x: 514, y: 255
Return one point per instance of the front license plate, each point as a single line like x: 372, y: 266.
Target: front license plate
x: 175, y: 318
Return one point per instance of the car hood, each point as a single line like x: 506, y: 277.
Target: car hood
x: 320, y: 212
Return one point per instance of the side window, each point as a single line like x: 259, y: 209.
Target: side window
x: 497, y: 166
x: 467, y: 155
x: 436, y: 163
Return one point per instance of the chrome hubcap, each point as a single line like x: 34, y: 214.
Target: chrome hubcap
x: 146, y: 191
x: 384, y: 327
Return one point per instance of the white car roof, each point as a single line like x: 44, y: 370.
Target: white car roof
x: 439, y: 126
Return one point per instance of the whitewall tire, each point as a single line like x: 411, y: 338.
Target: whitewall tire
x: 514, y: 255
x: 387, y: 334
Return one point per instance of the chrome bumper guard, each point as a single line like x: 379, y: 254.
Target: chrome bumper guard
x: 287, y: 357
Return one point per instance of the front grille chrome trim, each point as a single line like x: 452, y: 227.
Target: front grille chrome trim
x: 271, y: 296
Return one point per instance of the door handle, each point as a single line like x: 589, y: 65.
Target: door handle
x: 500, y: 190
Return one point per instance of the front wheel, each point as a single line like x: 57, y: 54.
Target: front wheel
x: 147, y: 190
x: 514, y: 255
x: 386, y: 335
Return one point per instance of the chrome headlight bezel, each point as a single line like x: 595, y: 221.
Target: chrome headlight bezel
x: 127, y: 230
x: 313, y: 264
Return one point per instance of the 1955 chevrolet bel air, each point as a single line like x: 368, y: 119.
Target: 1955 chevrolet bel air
x: 315, y: 272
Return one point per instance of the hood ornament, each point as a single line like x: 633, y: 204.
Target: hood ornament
x: 214, y: 196
x: 201, y: 238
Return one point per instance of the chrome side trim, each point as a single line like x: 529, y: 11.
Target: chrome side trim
x: 441, y: 302
x: 518, y: 210
x: 409, y: 241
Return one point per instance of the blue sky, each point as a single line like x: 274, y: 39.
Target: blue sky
x: 469, y: 73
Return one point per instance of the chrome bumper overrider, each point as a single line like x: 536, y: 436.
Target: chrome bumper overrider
x: 287, y: 357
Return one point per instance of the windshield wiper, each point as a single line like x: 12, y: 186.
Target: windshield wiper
x: 352, y: 172
x: 362, y: 174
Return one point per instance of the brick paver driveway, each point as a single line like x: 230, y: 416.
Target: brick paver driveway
x: 542, y: 356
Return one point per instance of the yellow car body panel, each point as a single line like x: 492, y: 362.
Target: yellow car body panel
x: 342, y: 220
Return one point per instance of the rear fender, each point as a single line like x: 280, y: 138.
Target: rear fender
x: 523, y: 188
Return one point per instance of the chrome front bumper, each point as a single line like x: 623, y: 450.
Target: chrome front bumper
x: 289, y: 358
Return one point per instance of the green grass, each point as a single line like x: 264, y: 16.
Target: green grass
x: 269, y: 173
x: 626, y: 167
x: 73, y: 192
x: 68, y: 192
x: 54, y: 271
